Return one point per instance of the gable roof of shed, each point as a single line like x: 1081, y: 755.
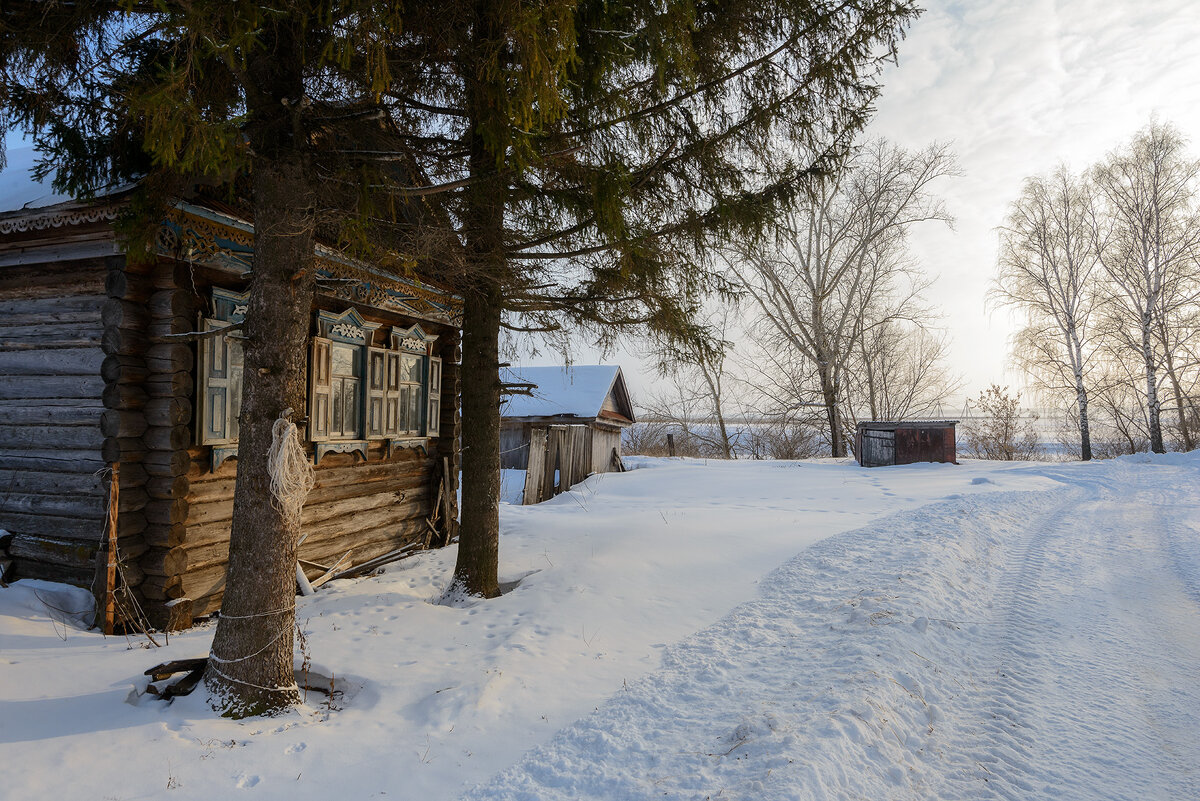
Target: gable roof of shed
x: 577, y: 391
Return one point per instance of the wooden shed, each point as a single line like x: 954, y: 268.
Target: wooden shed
x: 591, y: 402
x: 888, y: 443
x: 93, y: 374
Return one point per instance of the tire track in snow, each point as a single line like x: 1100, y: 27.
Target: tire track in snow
x: 1092, y: 695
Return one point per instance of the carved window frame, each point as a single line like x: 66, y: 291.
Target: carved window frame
x: 219, y: 374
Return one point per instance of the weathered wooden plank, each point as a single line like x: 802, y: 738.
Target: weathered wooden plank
x: 161, y: 588
x: 59, y: 361
x: 51, y: 461
x: 168, y: 412
x: 79, y: 412
x: 167, y: 462
x: 334, y: 484
x: 165, y: 385
x: 169, y: 358
x: 65, y: 527
x: 89, y: 507
x: 78, y: 553
x: 43, y: 482
x: 80, y: 577
x: 171, y: 303
x: 120, y: 369
x: 118, y: 423
x: 55, y: 336
x: 158, y: 438
x: 164, y: 512
x: 80, y: 438
x: 122, y: 449
x: 52, y: 311
x: 28, y: 276
x: 34, y: 387
x: 123, y: 342
x: 315, y: 511
x: 121, y: 284
x: 165, y: 536
x: 164, y: 561
x: 124, y: 396
x: 167, y: 487
x: 118, y: 313
x: 352, y: 526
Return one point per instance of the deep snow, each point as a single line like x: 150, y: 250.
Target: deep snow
x: 692, y: 630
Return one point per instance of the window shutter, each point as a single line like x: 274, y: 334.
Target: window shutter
x: 391, y: 395
x: 320, y: 389
x: 376, y: 391
x: 220, y: 391
x: 433, y: 419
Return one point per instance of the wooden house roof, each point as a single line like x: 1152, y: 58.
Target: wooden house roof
x: 585, y: 392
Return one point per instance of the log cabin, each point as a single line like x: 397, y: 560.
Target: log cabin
x: 101, y: 374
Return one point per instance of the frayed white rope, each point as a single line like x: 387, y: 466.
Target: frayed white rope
x: 290, y: 688
x: 260, y: 614
x: 291, y: 472
x: 273, y: 640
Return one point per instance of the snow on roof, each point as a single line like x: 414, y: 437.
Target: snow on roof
x: 577, y: 391
x: 18, y: 189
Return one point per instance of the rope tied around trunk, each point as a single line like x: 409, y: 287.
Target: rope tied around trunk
x: 291, y: 472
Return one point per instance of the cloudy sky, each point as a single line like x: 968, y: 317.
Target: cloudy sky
x: 1018, y: 86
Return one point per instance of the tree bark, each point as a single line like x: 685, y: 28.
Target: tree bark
x: 476, y: 569
x: 1152, y: 404
x: 250, y: 668
x: 837, y: 445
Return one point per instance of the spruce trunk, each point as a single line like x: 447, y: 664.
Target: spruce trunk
x: 250, y: 667
x: 476, y: 570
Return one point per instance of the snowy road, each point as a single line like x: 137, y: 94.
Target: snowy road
x: 1009, y: 646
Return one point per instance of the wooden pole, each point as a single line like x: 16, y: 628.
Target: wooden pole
x: 110, y: 587
x: 671, y: 445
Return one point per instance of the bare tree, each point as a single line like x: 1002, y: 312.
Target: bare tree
x: 839, y: 253
x: 1149, y: 235
x: 900, y: 372
x: 1048, y: 264
x: 697, y: 395
x: 1000, y: 430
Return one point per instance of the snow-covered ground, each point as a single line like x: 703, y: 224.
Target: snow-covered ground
x: 798, y: 630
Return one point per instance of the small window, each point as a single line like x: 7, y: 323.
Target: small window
x: 219, y: 372
x: 337, y: 395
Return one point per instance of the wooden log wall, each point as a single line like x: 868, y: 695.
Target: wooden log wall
x: 372, y: 507
x: 53, y: 488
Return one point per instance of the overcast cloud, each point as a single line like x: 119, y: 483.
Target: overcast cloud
x: 1018, y: 86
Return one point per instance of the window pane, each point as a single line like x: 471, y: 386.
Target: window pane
x: 350, y: 398
x: 335, y: 427
x: 343, y: 359
x: 411, y: 371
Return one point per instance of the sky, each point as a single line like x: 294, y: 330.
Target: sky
x: 1016, y: 86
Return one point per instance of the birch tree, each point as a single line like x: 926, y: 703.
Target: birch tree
x: 1149, y: 231
x: 840, y: 254
x: 1048, y: 268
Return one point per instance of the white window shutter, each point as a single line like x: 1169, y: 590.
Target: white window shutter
x: 376, y: 384
x: 433, y: 417
x: 320, y: 389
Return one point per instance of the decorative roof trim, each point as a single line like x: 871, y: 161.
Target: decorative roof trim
x: 59, y: 217
x: 194, y: 233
